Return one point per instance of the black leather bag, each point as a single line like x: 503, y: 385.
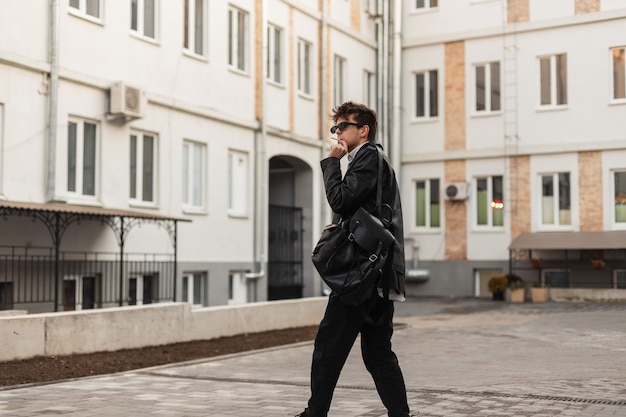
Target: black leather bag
x: 350, y: 255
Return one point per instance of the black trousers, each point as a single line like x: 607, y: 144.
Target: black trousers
x: 336, y: 335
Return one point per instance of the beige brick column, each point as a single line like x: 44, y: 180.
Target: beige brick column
x: 520, y: 197
x: 587, y: 6
x: 518, y: 11
x: 454, y: 100
x: 455, y: 215
x: 590, y: 190
x: 355, y: 15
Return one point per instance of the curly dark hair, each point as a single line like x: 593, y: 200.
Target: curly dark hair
x: 363, y: 115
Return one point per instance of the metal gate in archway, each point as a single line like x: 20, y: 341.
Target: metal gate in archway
x: 284, y: 253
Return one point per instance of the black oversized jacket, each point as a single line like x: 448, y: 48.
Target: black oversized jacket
x: 358, y: 188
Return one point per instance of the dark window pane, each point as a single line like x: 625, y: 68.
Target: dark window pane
x: 71, y: 157
x: 148, y: 168
x: 199, y: 28
x: 133, y: 166
x: 89, y: 159
x: 544, y: 68
x: 434, y: 94
x: 480, y: 88
x: 495, y: 86
x: 149, y: 19
x: 133, y: 14
x: 561, y: 75
x: 420, y: 97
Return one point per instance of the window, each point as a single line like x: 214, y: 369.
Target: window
x: 427, y: 203
x: 237, y: 36
x: 194, y: 288
x: 143, y: 17
x: 369, y: 89
x: 619, y: 73
x: 237, y: 183
x: 274, y: 53
x: 89, y: 8
x: 619, y: 278
x: 143, y: 289
x: 488, y: 87
x: 81, y: 157
x: 339, y: 80
x: 194, y: 172
x: 425, y: 4
x: 143, y: 153
x: 81, y: 292
x: 304, y: 67
x: 619, y: 179
x: 553, y: 76
x: 489, y: 201
x: 195, y: 26
x: 556, y: 199
x: 426, y: 94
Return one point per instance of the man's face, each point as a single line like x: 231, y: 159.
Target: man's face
x: 351, y: 134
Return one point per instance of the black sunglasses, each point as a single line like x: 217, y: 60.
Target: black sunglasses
x: 343, y: 126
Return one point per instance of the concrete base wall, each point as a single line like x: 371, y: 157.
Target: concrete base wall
x: 117, y: 328
x: 587, y: 294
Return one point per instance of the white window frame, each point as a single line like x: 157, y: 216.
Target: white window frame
x: 195, y: 288
x: 490, y: 68
x: 238, y: 172
x: 426, y: 4
x: 339, y: 78
x: 275, y: 52
x: 554, y: 80
x: 83, y: 9
x: 192, y: 33
x: 79, y: 162
x: 428, y: 203
x: 238, y: 44
x: 305, y: 65
x: 78, y: 293
x: 139, y: 288
x: 194, y: 178
x: 618, y: 74
x: 139, y: 198
x: 369, y: 89
x: 556, y: 215
x: 617, y: 197
x: 427, y: 102
x: 493, y: 204
x: 141, y: 28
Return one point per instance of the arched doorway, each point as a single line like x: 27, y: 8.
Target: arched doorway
x: 289, y: 227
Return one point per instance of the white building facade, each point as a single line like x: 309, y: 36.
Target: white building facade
x: 155, y: 150
x: 516, y: 110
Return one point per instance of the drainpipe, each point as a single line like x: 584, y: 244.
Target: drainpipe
x: 53, y: 99
x: 380, y: 72
x: 396, y: 81
x: 323, y: 117
x: 260, y: 217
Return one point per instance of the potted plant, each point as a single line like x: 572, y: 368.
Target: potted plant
x: 539, y: 293
x: 497, y: 286
x: 517, y: 289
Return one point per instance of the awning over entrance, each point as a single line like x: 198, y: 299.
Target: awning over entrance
x: 570, y: 240
x: 15, y: 207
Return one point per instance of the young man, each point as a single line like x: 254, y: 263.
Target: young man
x: 355, y: 126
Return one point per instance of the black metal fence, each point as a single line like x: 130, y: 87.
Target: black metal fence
x: 31, y: 280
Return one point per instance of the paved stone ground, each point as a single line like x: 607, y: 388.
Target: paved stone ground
x: 460, y: 357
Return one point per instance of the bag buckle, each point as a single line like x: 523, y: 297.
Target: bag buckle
x: 351, y: 237
x: 373, y: 258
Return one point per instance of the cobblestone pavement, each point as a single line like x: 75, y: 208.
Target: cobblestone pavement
x: 460, y: 357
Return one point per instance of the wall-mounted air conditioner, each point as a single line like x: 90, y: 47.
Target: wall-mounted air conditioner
x: 456, y: 191
x: 126, y: 101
